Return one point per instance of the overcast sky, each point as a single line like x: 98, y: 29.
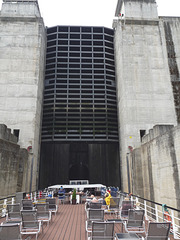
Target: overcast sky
x: 92, y: 12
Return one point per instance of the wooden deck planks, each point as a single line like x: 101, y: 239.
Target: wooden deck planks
x: 69, y: 223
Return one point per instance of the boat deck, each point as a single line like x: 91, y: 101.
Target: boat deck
x: 68, y: 224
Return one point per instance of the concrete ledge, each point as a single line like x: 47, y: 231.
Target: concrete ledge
x: 21, y: 19
x: 157, y: 131
x: 5, y: 134
x: 161, y: 129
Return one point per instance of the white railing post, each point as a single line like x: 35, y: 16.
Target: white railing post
x: 137, y: 203
x: 174, y: 225
x: 156, y: 210
x: 13, y: 200
x: 35, y: 198
x: 145, y: 209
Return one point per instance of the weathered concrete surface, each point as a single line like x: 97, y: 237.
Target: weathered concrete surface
x: 137, y: 9
x: 20, y: 8
x: 170, y: 30
x: 5, y: 133
x: 22, y: 180
x: 155, y: 167
x: 144, y: 90
x: 22, y: 60
x: 12, y: 164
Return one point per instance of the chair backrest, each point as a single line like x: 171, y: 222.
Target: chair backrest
x: 27, y: 204
x: 103, y: 230
x: 135, y: 218
x: 114, y: 202
x: 29, y: 219
x: 42, y: 210
x: 52, y: 203
x: 103, y: 191
x: 10, y: 231
x: 95, y: 214
x: 95, y: 205
x: 113, y: 192
x: 126, y: 205
x: 158, y: 230
x: 13, y: 211
x: 42, y: 207
x: 13, y: 207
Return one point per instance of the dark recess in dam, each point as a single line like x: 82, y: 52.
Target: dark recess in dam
x: 80, y: 127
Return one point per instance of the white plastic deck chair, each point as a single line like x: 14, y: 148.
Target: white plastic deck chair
x: 102, y: 231
x: 135, y: 222
x: 158, y: 231
x: 10, y: 231
x: 30, y: 223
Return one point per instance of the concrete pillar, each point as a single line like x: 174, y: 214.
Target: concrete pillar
x: 22, y: 61
x: 144, y: 91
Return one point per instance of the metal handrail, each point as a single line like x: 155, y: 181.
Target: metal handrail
x: 160, y: 204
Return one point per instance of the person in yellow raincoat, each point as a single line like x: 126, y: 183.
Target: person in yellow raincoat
x: 107, y: 198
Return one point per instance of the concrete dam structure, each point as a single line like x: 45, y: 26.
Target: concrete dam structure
x: 22, y: 61
x: 144, y: 81
x: 99, y: 92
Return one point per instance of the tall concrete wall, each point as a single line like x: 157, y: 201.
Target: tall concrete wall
x: 144, y: 90
x: 22, y: 60
x: 13, y: 164
x: 155, y: 166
